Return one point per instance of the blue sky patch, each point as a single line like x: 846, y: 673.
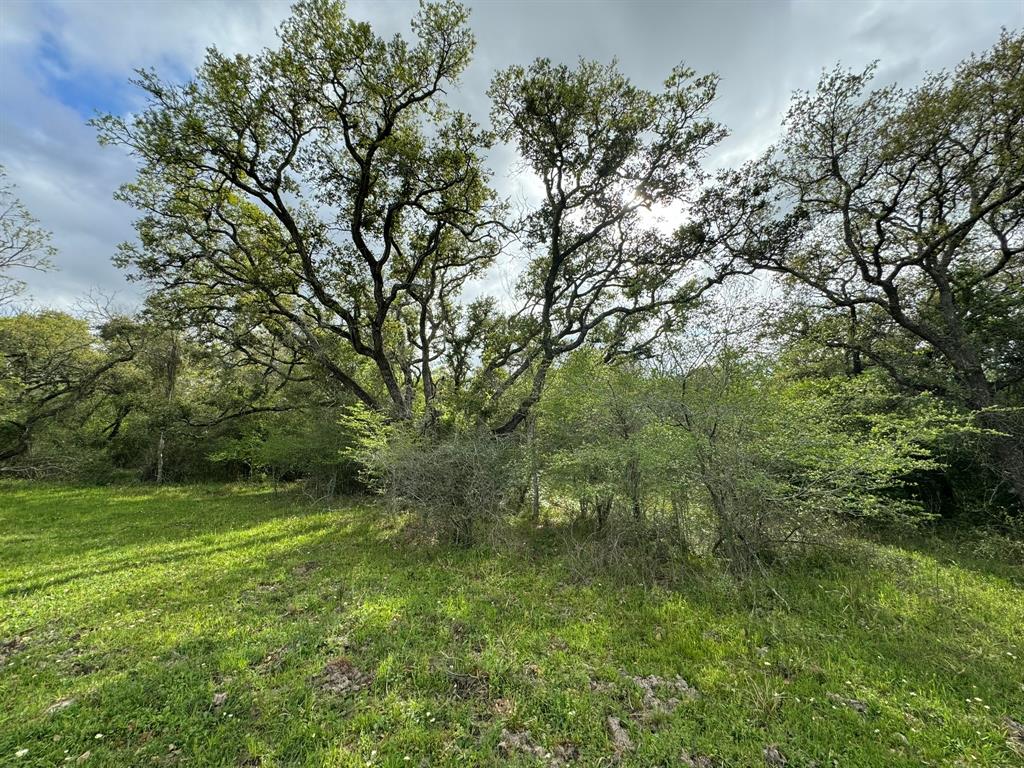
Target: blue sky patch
x: 87, y: 92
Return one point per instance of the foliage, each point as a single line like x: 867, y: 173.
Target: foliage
x: 316, y: 204
x: 783, y: 462
x: 606, y: 153
x: 909, y: 206
x: 310, y: 214
x: 776, y: 461
x: 459, y: 482
x: 603, y: 446
x: 24, y: 244
x: 52, y: 367
x: 307, y: 444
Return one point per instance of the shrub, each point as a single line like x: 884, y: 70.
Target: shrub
x: 769, y: 461
x: 459, y: 483
x: 785, y: 462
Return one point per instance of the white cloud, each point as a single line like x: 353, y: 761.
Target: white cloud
x: 763, y: 51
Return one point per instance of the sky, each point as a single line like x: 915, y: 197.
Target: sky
x: 63, y: 61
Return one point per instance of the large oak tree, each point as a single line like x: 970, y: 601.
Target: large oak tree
x: 609, y: 155
x: 317, y: 203
x: 909, y: 205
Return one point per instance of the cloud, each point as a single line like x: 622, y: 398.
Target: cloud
x: 64, y: 60
x: 63, y: 63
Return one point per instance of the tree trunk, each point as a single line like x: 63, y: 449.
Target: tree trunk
x: 531, y: 435
x: 1007, y: 452
x: 856, y: 364
x: 680, y: 509
x: 602, y: 507
x: 160, y: 459
x: 633, y: 483
x: 1005, y: 448
x: 171, y: 365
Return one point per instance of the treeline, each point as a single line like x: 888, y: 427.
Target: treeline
x: 834, y: 332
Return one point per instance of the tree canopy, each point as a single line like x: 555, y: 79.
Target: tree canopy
x: 311, y: 216
x: 909, y: 205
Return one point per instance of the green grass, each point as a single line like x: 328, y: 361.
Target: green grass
x: 142, y: 604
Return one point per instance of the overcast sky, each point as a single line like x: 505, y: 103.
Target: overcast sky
x: 62, y: 61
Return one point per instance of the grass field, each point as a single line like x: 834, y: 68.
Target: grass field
x: 236, y: 626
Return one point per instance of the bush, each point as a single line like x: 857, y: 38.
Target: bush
x: 729, y: 454
x: 786, y: 462
x: 460, y: 483
x: 308, y: 445
x: 654, y: 549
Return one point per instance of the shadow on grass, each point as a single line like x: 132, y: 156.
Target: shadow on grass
x: 58, y: 522
x: 140, y: 561
x: 968, y: 550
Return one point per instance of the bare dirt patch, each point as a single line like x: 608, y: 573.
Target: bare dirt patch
x: 1014, y: 735
x: 663, y: 694
x: 773, y: 757
x: 621, y: 742
x: 341, y: 676
x: 659, y: 695
x: 502, y: 706
x: 695, y: 760
x: 273, y: 661
x: 60, y: 705
x: 522, y: 742
x: 304, y: 569
x: 466, y: 685
x: 10, y: 647
x: 854, y: 704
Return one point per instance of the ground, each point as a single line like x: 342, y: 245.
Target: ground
x: 238, y: 626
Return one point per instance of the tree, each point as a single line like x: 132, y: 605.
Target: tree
x: 318, y: 201
x: 606, y: 153
x: 23, y: 243
x: 600, y: 441
x: 50, y: 365
x: 187, y: 392
x: 778, y: 461
x: 910, y: 211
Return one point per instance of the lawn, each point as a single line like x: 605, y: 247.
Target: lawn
x: 240, y: 626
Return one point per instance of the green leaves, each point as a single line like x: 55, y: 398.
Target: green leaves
x: 321, y: 190
x: 24, y: 245
x: 606, y: 153
x: 588, y: 130
x: 903, y: 210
